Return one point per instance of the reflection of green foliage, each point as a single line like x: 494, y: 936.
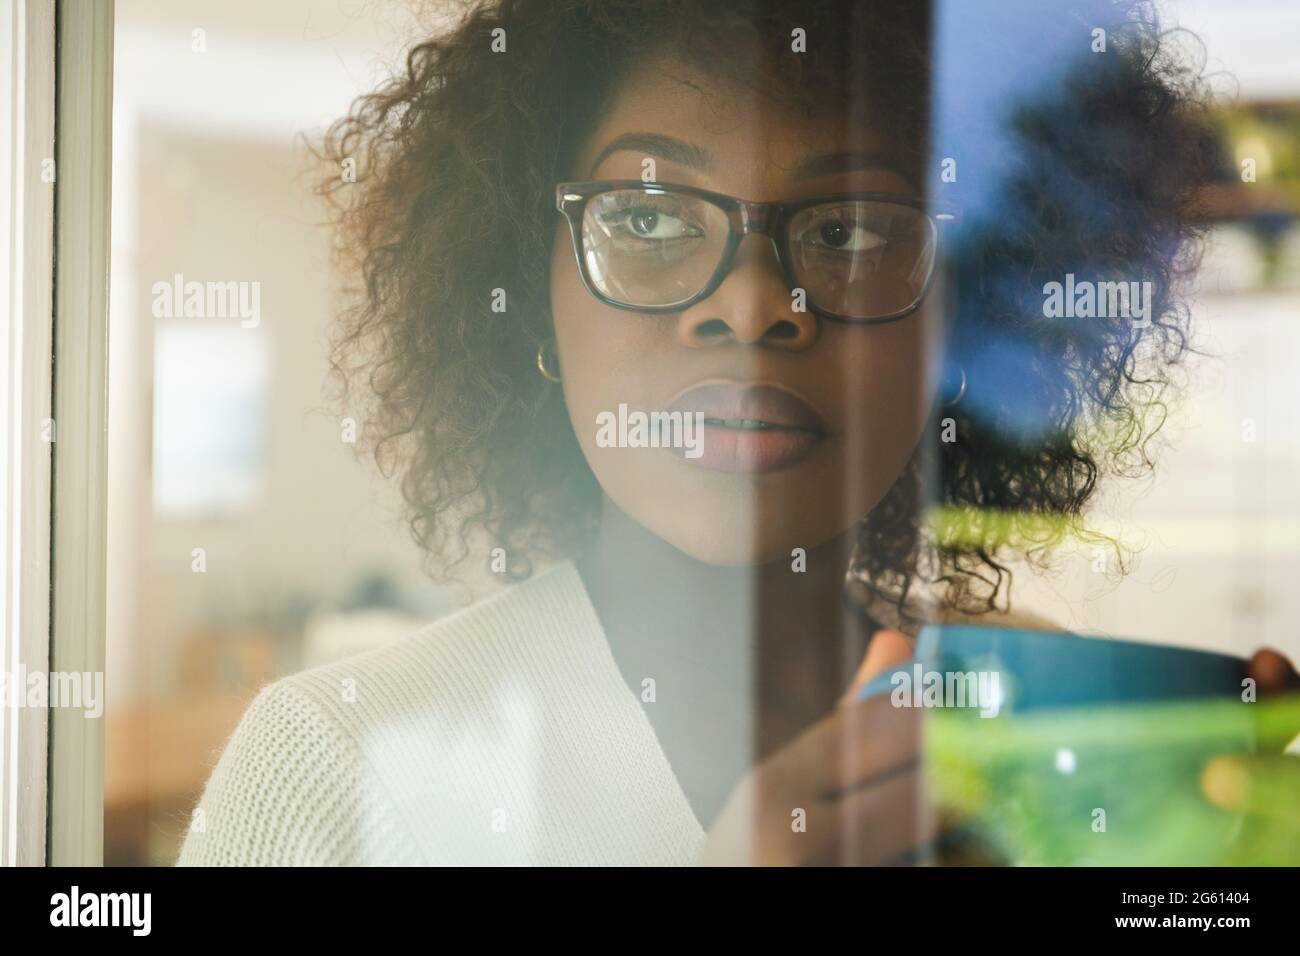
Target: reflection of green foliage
x: 967, y: 527
x: 993, y: 529
x: 1121, y: 440
x: 1141, y: 764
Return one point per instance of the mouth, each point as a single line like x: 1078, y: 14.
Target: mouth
x: 751, y: 428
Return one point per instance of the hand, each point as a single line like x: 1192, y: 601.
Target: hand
x: 847, y: 790
x: 1266, y: 786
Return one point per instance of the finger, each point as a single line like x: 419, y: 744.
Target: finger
x: 863, y: 828
x: 887, y: 649
x: 866, y: 827
x: 850, y: 745
x: 896, y: 822
x: 884, y: 821
x: 1272, y: 671
x: 1268, y: 785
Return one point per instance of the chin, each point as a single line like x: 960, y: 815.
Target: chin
x: 712, y: 547
x: 734, y: 530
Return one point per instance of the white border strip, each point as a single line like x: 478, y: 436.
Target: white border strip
x: 27, y: 36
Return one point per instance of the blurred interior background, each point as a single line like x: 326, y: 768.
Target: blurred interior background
x: 246, y: 541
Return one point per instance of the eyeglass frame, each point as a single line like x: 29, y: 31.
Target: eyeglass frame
x: 744, y: 218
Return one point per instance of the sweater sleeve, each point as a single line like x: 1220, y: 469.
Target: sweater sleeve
x: 291, y: 789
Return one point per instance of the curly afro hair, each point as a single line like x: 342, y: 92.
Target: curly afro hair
x: 1069, y: 159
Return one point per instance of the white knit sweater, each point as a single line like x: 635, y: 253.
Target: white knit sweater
x: 502, y: 734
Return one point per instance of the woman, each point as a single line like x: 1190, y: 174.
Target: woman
x: 823, y: 249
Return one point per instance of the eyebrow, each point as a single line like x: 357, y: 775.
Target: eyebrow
x: 665, y: 147
x: 688, y: 154
x: 845, y: 162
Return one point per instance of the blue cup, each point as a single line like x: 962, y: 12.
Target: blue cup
x: 1058, y: 749
x: 1046, y: 669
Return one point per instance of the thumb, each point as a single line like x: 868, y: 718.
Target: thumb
x: 888, y: 647
x: 1272, y: 671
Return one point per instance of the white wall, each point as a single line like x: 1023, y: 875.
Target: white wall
x: 208, y: 181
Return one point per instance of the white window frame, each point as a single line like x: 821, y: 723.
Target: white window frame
x: 53, y: 369
x: 79, y: 553
x: 27, y: 90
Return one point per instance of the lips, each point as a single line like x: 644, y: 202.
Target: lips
x: 753, y: 428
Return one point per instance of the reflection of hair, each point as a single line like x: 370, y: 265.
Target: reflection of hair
x: 458, y: 158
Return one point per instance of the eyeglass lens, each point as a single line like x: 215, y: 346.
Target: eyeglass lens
x: 853, y: 257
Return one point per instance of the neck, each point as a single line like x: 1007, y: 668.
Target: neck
x: 768, y: 639
x: 742, y: 658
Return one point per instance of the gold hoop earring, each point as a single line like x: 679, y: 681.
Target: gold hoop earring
x: 541, y: 364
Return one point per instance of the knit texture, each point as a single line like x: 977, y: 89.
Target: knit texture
x: 503, y: 734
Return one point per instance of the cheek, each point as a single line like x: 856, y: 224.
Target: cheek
x: 877, y: 383
x: 585, y: 339
x: 883, y: 393
x: 602, y: 352
x: 609, y: 357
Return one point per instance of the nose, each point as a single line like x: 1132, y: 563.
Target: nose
x: 752, y: 306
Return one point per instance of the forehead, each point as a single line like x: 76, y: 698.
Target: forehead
x: 709, y: 129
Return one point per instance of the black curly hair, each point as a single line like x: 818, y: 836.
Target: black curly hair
x: 1089, y: 165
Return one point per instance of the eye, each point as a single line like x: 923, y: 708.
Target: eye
x: 842, y: 234
x: 637, y: 219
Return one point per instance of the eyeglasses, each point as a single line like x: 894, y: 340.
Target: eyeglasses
x: 658, y: 247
